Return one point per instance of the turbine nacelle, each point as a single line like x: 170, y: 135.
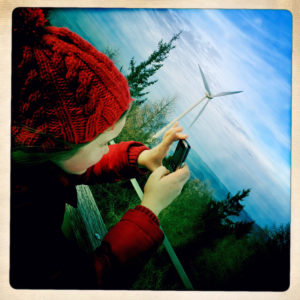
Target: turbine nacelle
x: 208, y: 96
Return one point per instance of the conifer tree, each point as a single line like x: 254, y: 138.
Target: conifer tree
x: 139, y: 76
x: 217, y: 218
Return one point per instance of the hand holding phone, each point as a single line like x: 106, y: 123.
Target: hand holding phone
x: 162, y: 187
x: 153, y: 158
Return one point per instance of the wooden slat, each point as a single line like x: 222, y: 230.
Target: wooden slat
x: 86, y: 222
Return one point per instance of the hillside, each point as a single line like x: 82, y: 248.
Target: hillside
x: 200, y: 170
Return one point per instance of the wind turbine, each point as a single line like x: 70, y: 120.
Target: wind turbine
x: 209, y: 97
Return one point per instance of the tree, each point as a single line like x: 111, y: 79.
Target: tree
x: 139, y: 76
x: 111, y: 53
x: 218, y: 217
x: 143, y: 121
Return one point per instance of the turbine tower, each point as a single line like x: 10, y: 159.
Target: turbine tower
x: 209, y: 97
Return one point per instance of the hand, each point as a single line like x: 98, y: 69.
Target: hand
x: 162, y: 188
x: 152, y: 159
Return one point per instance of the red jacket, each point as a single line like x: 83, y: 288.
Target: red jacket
x: 40, y: 256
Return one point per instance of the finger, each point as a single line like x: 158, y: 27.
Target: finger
x: 182, y: 174
x: 182, y: 136
x: 172, y: 134
x: 172, y: 131
x: 160, y: 172
x: 178, y: 129
x: 175, y: 124
x: 176, y: 136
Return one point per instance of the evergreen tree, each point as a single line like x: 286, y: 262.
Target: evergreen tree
x: 139, y: 76
x: 218, y: 220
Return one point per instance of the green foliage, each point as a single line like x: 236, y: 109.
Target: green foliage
x: 139, y: 76
x: 232, y: 205
x: 217, y: 218
x: 213, y: 261
x: 268, y: 267
x: 182, y: 220
x: 278, y: 237
x: 158, y: 274
x: 196, y: 219
x: 111, y: 53
x: 225, y: 262
x: 216, y: 254
x: 114, y: 200
x: 143, y: 121
x: 219, y: 264
x: 199, y: 228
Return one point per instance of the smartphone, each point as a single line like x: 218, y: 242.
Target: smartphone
x: 180, y: 154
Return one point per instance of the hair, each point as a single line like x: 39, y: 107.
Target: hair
x: 25, y: 157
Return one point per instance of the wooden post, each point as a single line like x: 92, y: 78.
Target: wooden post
x: 85, y: 221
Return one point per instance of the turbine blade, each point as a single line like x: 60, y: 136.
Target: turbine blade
x: 225, y: 94
x: 200, y: 112
x: 204, y: 81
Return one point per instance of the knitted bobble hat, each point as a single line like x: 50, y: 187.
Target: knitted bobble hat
x: 64, y: 91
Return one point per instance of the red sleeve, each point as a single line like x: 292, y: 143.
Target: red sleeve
x: 126, y: 247
x: 118, y: 164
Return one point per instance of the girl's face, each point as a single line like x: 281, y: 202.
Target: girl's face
x: 91, y: 153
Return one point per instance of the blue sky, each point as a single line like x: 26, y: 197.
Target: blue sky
x: 244, y: 138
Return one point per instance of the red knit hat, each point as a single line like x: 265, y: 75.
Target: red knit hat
x: 63, y: 89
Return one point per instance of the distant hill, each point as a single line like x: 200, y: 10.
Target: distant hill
x: 200, y: 170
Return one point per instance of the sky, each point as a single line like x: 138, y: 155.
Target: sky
x: 244, y: 138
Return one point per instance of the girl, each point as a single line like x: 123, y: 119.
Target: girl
x: 68, y: 102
